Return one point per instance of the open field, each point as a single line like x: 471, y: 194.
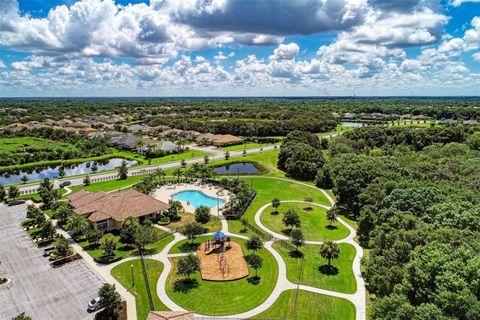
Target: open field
x: 246, y: 146
x: 309, y: 306
x: 317, y: 276
x: 269, y: 188
x: 315, y: 226
x: 123, y: 274
x: 188, y: 154
x: 221, y: 298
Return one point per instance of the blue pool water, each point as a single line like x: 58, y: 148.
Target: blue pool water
x: 197, y: 198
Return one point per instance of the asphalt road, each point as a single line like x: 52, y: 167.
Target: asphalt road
x: 217, y: 154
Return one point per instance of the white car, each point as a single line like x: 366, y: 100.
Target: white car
x: 94, y: 304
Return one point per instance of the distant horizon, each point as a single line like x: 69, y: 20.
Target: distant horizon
x: 243, y: 97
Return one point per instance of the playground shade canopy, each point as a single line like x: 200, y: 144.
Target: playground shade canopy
x: 219, y: 235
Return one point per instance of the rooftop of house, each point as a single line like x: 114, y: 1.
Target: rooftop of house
x: 98, y: 206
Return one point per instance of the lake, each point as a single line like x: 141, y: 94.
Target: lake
x: 40, y: 173
x: 237, y: 168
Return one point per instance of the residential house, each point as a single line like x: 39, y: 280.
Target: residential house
x: 218, y: 139
x: 226, y: 139
x: 470, y: 122
x: 107, y: 211
x: 349, y: 116
x: 166, y: 146
x: 127, y: 142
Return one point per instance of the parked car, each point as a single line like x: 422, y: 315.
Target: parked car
x: 48, y: 250
x: 65, y: 184
x: 94, y: 304
x: 15, y: 202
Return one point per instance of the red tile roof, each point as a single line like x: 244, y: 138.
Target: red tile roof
x: 118, y: 206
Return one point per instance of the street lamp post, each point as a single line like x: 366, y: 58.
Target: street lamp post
x: 133, y: 279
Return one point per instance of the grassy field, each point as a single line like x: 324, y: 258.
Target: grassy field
x: 269, y: 188
x: 186, y: 245
x: 213, y: 225
x: 230, y: 297
x: 267, y: 159
x: 122, y: 250
x: 19, y: 144
x: 309, y: 306
x: 246, y: 146
x: 123, y: 274
x: 316, y: 276
x: 314, y: 222
x: 109, y: 185
x: 189, y: 154
x: 339, y: 129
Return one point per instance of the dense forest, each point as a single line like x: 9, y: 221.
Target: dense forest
x: 416, y: 195
x: 273, y: 109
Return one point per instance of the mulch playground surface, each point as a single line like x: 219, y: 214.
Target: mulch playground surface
x: 213, y: 267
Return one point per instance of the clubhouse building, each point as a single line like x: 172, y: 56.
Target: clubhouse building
x: 107, y: 211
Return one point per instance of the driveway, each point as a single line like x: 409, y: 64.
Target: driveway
x: 36, y: 288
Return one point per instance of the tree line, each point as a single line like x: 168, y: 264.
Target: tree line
x: 415, y: 194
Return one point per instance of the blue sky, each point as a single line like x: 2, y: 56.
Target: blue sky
x: 239, y: 47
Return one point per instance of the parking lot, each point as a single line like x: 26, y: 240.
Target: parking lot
x: 36, y: 288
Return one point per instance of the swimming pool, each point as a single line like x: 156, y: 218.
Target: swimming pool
x: 197, y: 198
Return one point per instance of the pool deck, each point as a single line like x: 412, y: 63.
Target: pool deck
x: 165, y: 194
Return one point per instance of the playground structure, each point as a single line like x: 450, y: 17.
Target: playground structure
x: 221, y: 259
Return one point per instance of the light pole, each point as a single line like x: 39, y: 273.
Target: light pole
x: 133, y: 279
x: 218, y: 207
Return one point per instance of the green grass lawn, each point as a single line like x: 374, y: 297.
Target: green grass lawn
x: 122, y: 250
x: 186, y: 245
x: 267, y: 159
x: 109, y: 185
x: 309, y: 306
x: 188, y: 154
x: 339, y: 129
x: 229, y: 297
x: 123, y: 274
x: 269, y: 188
x: 314, y: 222
x: 247, y: 146
x: 343, y: 281
x: 213, y: 225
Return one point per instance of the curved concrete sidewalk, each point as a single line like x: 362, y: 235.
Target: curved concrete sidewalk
x: 359, y: 297
x: 282, y: 284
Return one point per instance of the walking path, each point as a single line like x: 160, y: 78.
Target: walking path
x: 217, y: 154
x: 282, y: 284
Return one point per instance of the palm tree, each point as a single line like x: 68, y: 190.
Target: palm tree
x: 78, y: 223
x: 329, y: 250
x: 177, y: 172
x: 331, y: 216
x: 161, y: 174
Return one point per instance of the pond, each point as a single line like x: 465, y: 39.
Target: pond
x: 40, y: 173
x: 197, y: 198
x: 237, y: 168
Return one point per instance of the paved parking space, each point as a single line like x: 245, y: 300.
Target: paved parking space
x: 37, y: 289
